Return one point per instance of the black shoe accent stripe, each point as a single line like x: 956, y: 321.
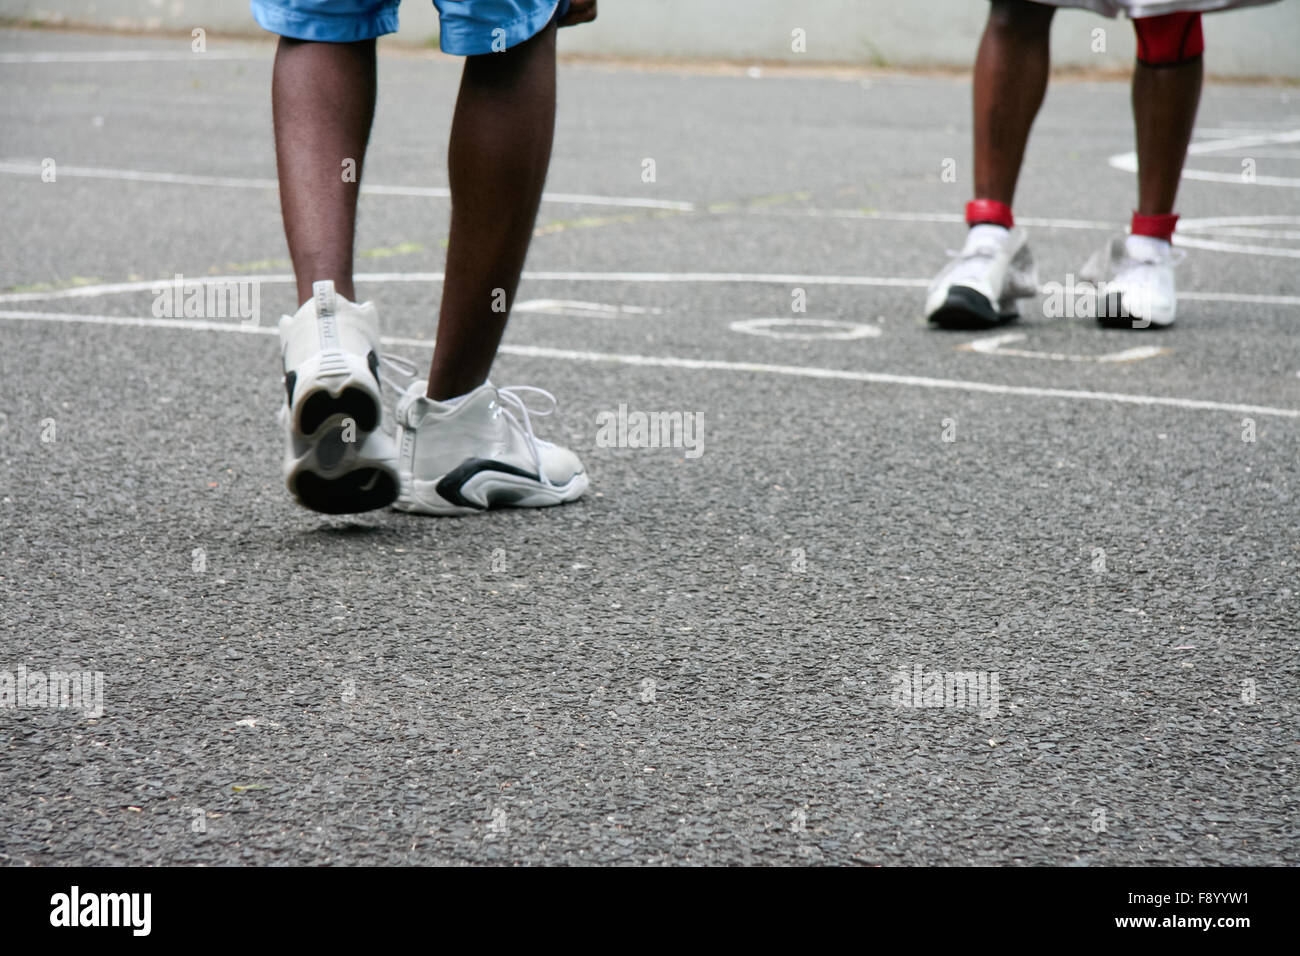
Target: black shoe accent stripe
x: 373, y: 361
x: 290, y: 380
x: 453, y: 481
x: 967, y: 309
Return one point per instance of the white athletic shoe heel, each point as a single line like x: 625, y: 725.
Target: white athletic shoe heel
x: 337, y: 459
x: 1134, y: 279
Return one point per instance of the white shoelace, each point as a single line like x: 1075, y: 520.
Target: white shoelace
x: 514, y: 395
x: 400, y: 374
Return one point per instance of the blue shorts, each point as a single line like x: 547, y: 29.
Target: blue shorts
x: 467, y: 27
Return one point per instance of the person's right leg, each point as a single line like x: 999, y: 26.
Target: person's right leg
x: 979, y: 288
x: 500, y: 150
x: 465, y: 444
x: 1011, y: 73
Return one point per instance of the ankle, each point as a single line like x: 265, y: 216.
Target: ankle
x: 449, y: 391
x: 1159, y: 226
x: 342, y: 288
x: 989, y: 212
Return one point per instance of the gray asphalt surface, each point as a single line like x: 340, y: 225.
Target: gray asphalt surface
x: 693, y: 665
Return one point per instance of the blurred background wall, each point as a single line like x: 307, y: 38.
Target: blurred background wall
x: 1260, y: 42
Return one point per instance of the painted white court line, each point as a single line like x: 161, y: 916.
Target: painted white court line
x: 740, y: 278
x: 575, y: 307
x: 1250, y: 232
x: 1244, y: 298
x: 880, y: 378
x: 1210, y: 232
x: 1128, y: 162
x: 1219, y: 222
x: 718, y: 365
x: 1185, y: 226
x: 115, y: 288
x: 1190, y: 241
x: 806, y: 330
x: 23, y: 168
x: 28, y: 168
x: 1265, y: 138
x: 19, y: 167
x: 996, y: 345
x: 945, y: 217
x: 139, y: 322
x: 123, y: 56
x: 1193, y: 242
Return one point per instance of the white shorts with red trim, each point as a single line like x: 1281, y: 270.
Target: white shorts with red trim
x: 1138, y: 9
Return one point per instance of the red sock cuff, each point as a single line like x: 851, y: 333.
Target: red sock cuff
x: 1157, y: 227
x: 989, y: 211
x: 1169, y: 39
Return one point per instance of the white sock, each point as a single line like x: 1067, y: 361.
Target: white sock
x: 985, y: 233
x: 1147, y: 247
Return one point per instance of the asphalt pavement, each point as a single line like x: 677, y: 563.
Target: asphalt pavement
x: 712, y: 658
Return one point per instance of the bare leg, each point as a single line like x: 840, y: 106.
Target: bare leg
x: 323, y: 101
x: 1164, y: 109
x: 500, y: 150
x: 1011, y: 73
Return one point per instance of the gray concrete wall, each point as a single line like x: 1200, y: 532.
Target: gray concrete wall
x: 1263, y: 41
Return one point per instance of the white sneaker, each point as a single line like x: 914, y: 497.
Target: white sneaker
x: 338, y: 459
x: 1134, y: 276
x: 980, y: 286
x: 478, y: 452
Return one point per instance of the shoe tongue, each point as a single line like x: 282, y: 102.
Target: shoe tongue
x: 323, y: 293
x: 985, y: 236
x: 407, y: 400
x: 1147, y: 248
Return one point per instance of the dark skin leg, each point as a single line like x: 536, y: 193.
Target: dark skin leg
x: 500, y: 150
x: 1011, y: 73
x: 323, y: 101
x: 1164, y: 110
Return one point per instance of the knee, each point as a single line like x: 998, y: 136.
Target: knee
x: 1020, y: 17
x: 1169, y: 40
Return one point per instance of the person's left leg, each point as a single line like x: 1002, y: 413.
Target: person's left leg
x: 338, y: 459
x: 1166, y: 94
x: 323, y: 102
x: 1137, y: 271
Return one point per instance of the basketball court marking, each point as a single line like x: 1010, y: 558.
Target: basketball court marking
x: 1128, y: 162
x: 587, y: 310
x: 19, y: 167
x: 1214, y: 230
x: 805, y: 330
x: 996, y: 345
x: 591, y: 357
x: 122, y: 56
x: 1209, y: 234
x: 740, y: 278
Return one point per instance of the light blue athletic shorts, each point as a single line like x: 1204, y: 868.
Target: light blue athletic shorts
x: 467, y: 27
